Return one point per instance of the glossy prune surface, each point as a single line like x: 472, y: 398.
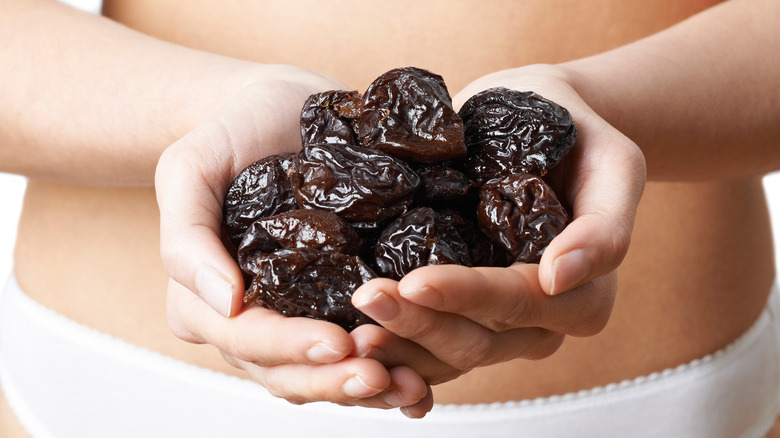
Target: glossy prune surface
x: 330, y: 117
x: 262, y: 189
x: 482, y: 250
x: 315, y: 229
x: 441, y: 185
x: 509, y: 132
x: 364, y: 186
x: 419, y: 237
x: 522, y: 214
x: 394, y: 180
x: 407, y: 112
x: 312, y: 283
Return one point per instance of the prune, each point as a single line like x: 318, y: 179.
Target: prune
x: 509, y: 131
x: 419, y: 237
x: 442, y: 185
x: 394, y: 180
x: 364, y: 186
x: 482, y: 250
x: 522, y: 214
x: 407, y: 112
x: 311, y: 283
x: 262, y: 189
x: 316, y: 229
x: 330, y: 117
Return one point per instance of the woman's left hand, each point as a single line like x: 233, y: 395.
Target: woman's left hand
x: 443, y: 321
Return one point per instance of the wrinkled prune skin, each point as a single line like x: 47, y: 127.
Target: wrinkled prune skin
x: 509, y: 132
x: 364, y: 186
x: 441, y: 185
x: 311, y: 283
x: 419, y: 237
x: 330, y: 117
x: 315, y: 229
x: 522, y: 214
x: 262, y: 189
x: 482, y: 250
x: 407, y: 112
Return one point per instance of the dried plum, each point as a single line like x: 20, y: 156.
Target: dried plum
x: 407, y: 112
x: 262, y: 189
x: 482, y: 250
x: 522, y: 214
x: 419, y: 237
x: 442, y: 185
x: 311, y: 283
x: 509, y: 132
x: 364, y: 186
x: 316, y: 229
x: 330, y: 117
x: 394, y: 180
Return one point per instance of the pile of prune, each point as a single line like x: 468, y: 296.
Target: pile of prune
x: 392, y: 180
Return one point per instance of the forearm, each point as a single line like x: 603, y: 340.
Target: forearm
x: 701, y: 99
x: 87, y: 100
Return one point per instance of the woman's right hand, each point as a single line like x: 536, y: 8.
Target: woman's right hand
x: 298, y: 359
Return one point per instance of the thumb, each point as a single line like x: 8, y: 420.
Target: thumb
x: 190, y: 183
x: 607, y: 181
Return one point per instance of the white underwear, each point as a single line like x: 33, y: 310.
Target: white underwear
x: 63, y: 379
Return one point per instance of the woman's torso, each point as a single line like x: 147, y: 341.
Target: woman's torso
x: 696, y: 276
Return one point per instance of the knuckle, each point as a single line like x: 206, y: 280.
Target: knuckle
x: 180, y: 329
x: 594, y: 309
x: 292, y: 398
x: 548, y: 343
x: 279, y: 388
x: 183, y: 333
x: 425, y: 328
x: 231, y: 360
x: 591, y: 325
x: 475, y: 355
x: 239, y: 344
x: 514, y: 315
x: 171, y: 251
x: 621, y: 239
x: 369, y: 337
x: 443, y: 376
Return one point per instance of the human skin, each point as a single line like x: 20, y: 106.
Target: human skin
x: 628, y: 90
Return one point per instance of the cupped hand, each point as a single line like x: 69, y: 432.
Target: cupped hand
x: 443, y: 321
x: 299, y: 359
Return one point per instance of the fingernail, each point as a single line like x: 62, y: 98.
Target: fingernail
x: 322, y: 353
x: 407, y: 412
x: 214, y: 289
x: 425, y: 296
x: 378, y: 306
x: 357, y: 388
x: 375, y: 353
x: 394, y: 399
x: 568, y: 270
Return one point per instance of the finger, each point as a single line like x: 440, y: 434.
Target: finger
x: 375, y: 342
x: 406, y: 388
x: 419, y: 409
x: 605, y: 185
x: 257, y: 335
x: 192, y: 178
x: 190, y: 182
x: 342, y: 382
x: 454, y: 339
x: 507, y: 298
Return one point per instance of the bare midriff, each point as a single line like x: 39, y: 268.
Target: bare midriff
x: 688, y: 287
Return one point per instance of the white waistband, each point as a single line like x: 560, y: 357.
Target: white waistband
x: 64, y: 379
